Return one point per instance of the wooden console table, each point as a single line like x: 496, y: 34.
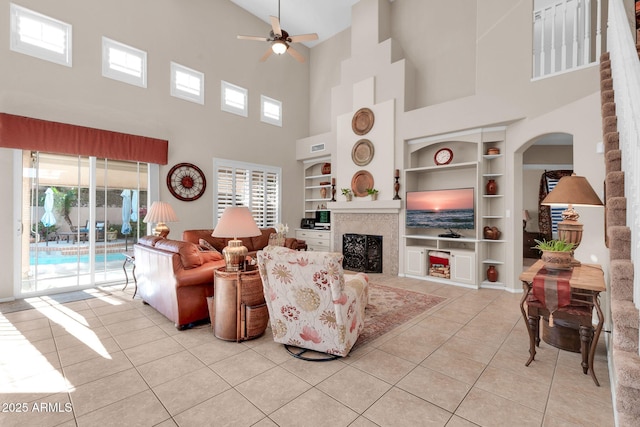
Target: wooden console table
x: 240, y: 311
x: 586, y: 283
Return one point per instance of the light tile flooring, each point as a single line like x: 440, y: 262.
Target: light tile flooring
x: 113, y: 361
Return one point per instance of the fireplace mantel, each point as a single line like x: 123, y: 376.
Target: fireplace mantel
x: 367, y: 206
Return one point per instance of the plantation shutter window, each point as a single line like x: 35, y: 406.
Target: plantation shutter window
x: 254, y: 186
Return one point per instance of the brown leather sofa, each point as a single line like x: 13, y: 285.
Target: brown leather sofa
x: 175, y: 278
x: 253, y: 244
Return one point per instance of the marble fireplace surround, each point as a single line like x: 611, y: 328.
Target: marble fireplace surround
x: 380, y: 218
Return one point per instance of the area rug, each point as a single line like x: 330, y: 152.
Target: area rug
x: 28, y: 303
x: 389, y: 308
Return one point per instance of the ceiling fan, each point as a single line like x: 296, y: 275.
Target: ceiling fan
x: 280, y: 40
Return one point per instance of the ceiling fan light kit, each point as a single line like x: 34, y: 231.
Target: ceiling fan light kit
x: 279, y: 47
x: 280, y: 40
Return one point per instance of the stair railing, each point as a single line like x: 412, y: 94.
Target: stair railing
x: 625, y: 68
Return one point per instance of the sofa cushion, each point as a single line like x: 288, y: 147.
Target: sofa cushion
x: 207, y: 256
x: 206, y: 246
x: 149, y: 240
x: 261, y: 241
x: 189, y: 252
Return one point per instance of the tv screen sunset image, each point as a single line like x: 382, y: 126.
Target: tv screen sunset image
x: 446, y: 209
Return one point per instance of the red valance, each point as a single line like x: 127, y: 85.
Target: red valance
x: 26, y: 133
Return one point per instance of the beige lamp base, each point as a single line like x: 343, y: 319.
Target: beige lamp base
x: 161, y: 230
x: 234, y: 255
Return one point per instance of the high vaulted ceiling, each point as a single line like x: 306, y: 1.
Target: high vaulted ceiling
x: 324, y: 17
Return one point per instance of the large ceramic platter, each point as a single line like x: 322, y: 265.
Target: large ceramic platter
x: 362, y: 121
x: 362, y: 152
x: 360, y: 182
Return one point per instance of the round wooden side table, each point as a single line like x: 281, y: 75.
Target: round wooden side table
x: 240, y: 310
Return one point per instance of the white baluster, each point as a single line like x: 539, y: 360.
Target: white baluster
x: 563, y: 52
x: 552, y: 66
x: 574, y: 48
x: 586, y: 44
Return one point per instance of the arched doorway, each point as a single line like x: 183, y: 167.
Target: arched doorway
x: 543, y: 153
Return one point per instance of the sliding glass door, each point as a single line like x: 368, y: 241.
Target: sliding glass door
x: 79, y: 215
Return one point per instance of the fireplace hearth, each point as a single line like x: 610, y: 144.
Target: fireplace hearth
x: 362, y: 252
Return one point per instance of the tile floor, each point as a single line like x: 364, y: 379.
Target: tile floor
x: 113, y: 361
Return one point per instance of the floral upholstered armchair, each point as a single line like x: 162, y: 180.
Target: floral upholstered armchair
x: 312, y: 304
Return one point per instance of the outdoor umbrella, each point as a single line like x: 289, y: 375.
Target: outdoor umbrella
x: 126, y: 215
x: 134, y: 205
x: 48, y: 219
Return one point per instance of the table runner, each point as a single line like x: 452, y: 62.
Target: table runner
x: 551, y: 288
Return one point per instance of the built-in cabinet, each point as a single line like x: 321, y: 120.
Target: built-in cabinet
x: 478, y: 156
x: 317, y: 185
x: 316, y: 240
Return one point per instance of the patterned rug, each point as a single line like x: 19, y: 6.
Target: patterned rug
x: 389, y: 308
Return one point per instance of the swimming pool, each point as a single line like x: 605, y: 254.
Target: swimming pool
x: 48, y: 258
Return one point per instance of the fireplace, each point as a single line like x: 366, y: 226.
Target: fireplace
x: 378, y: 218
x: 362, y: 252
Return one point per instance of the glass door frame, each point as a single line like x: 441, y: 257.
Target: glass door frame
x: 21, y: 227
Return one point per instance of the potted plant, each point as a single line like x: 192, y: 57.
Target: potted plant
x: 346, y: 192
x: 112, y: 233
x: 373, y: 193
x: 556, y: 254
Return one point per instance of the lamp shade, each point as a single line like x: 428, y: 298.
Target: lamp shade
x: 160, y: 212
x: 572, y: 190
x: 236, y: 221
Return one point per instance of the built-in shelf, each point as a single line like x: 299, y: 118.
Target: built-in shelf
x: 469, y: 255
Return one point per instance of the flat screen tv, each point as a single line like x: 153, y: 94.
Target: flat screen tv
x: 446, y: 209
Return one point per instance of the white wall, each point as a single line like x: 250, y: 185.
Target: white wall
x: 493, y: 89
x: 200, y: 34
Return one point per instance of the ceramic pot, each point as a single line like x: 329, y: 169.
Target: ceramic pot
x: 554, y: 260
x: 492, y: 187
x: 348, y: 197
x: 323, y: 192
x: 326, y: 168
x: 491, y: 233
x: 492, y: 274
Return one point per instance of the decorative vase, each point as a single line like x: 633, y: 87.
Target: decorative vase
x: 554, y: 260
x: 491, y: 233
x: 492, y: 187
x: 323, y: 192
x: 348, y: 197
x: 493, y: 151
x: 374, y: 196
x: 492, y: 273
x: 326, y: 169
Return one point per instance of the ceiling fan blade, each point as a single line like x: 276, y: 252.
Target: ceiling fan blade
x: 266, y: 54
x: 295, y: 54
x: 303, y: 38
x: 275, y: 26
x: 256, y: 38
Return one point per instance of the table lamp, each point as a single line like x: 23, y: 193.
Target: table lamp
x: 236, y: 221
x: 571, y: 191
x: 160, y: 213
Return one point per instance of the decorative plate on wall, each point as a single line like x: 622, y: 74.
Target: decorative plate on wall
x: 362, y: 121
x: 361, y: 181
x: 186, y: 182
x: 362, y: 152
